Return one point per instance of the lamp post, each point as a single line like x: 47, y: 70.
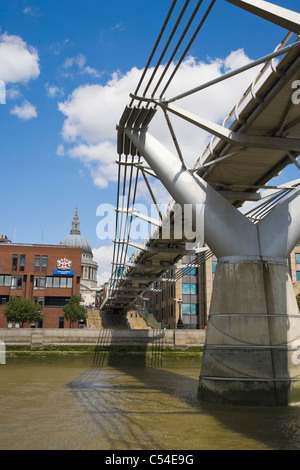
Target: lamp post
x: 180, y: 324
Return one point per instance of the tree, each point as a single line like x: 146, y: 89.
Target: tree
x: 23, y: 311
x: 74, y: 311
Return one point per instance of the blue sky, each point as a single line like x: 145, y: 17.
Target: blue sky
x: 69, y: 67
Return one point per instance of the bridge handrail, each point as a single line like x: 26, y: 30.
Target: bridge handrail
x: 250, y: 90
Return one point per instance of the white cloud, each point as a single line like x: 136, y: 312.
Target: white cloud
x: 32, y: 11
x: 79, y: 61
x: 103, y: 257
x: 60, y: 150
x: 25, y: 111
x: 13, y: 93
x: 54, y: 91
x: 19, y: 62
x: 92, y: 112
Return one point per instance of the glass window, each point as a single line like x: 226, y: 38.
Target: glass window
x: 186, y: 309
x: 61, y: 282
x: 186, y: 289
x: 14, y: 262
x: 5, y: 280
x: 22, y: 262
x: 37, y: 263
x: 39, y: 283
x: 193, y: 271
x: 39, y: 300
x: 193, y: 288
x: 214, y: 265
x: 16, y: 282
x: 189, y: 288
x: 4, y: 300
x: 298, y: 275
x: 297, y: 256
x: 44, y: 263
x: 193, y: 309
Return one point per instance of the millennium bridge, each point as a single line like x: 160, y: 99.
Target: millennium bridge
x: 226, y: 202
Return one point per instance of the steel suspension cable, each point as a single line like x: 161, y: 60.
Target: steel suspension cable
x: 155, y: 48
x: 188, y: 47
x: 177, y: 46
x: 167, y: 45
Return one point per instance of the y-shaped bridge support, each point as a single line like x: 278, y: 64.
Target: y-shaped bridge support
x: 253, y: 332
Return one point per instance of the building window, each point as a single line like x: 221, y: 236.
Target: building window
x: 214, y: 265
x: 5, y: 280
x: 16, y: 282
x: 37, y: 263
x: 4, y: 299
x: 39, y: 283
x: 14, y: 263
x: 298, y: 275
x: 22, y: 262
x: 63, y: 282
x: 39, y: 300
x: 56, y: 301
x: 171, y: 310
x: 189, y: 309
x: 44, y: 263
x: 189, y: 288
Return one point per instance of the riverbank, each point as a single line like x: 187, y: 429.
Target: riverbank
x: 105, y: 347
x: 102, y: 338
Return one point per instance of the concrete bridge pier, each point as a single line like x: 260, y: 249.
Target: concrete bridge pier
x: 251, y: 354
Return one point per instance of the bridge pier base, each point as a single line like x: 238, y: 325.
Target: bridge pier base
x: 251, y: 354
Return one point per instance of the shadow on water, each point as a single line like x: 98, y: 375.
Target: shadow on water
x: 127, y: 392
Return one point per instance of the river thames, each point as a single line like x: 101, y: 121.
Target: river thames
x: 77, y: 403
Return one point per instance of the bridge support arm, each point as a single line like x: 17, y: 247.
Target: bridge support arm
x: 226, y: 231
x: 275, y: 14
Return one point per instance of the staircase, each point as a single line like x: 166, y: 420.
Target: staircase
x: 136, y: 322
x: 94, y: 319
x: 150, y: 320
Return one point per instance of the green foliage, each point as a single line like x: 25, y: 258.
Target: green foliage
x: 23, y: 311
x: 298, y: 301
x: 74, y: 311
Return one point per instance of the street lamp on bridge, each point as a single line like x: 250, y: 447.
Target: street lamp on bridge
x: 180, y: 324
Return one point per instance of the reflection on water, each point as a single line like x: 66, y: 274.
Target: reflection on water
x: 80, y: 404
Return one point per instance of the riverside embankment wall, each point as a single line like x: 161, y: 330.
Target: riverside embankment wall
x: 105, y: 337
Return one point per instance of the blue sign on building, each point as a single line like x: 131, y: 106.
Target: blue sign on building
x: 68, y: 273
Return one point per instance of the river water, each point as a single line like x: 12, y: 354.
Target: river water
x: 79, y: 403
